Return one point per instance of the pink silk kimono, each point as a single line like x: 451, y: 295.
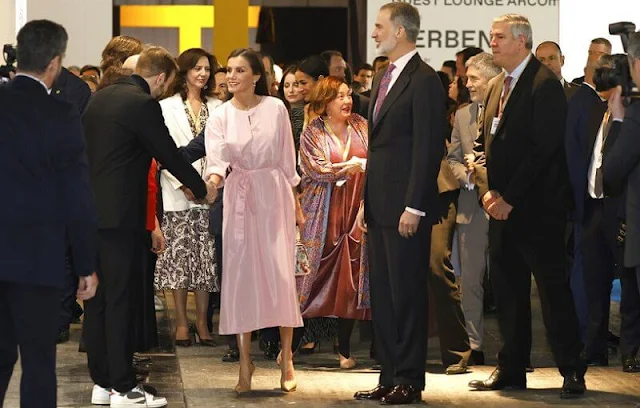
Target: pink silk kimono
x: 338, y: 284
x: 259, y: 232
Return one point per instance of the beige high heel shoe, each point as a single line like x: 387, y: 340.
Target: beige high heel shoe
x: 244, y: 384
x: 288, y: 382
x: 346, y: 363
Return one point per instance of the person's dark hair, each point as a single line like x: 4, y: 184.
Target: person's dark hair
x: 291, y: 69
x: 468, y: 53
x: 407, y: 16
x: 602, y: 41
x: 555, y: 44
x: 451, y: 65
x: 327, y: 55
x: 364, y: 66
x: 186, y: 61
x: 444, y: 79
x: 222, y: 70
x: 380, y: 59
x: 348, y: 75
x: 86, y: 68
x: 90, y: 78
x: 464, y: 97
x: 315, y: 66
x: 39, y: 42
x: 270, y: 59
x: 257, y: 68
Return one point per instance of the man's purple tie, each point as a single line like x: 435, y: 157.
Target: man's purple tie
x: 382, y: 92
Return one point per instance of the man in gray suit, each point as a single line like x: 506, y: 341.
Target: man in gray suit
x: 472, y: 221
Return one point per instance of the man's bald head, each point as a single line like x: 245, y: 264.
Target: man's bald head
x: 131, y: 62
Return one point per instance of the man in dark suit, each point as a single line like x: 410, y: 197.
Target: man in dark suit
x: 48, y: 203
x: 578, y: 147
x: 125, y: 129
x: 597, y: 48
x: 525, y: 189
x: 69, y: 88
x: 622, y: 166
x: 550, y: 54
x: 337, y: 67
x: 599, y: 218
x: 401, y: 203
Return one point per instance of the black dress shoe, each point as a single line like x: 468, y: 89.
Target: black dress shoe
x: 183, y: 343
x: 402, y: 395
x: 272, y: 350
x: 499, y: 380
x: 232, y: 356
x: 573, y: 386
x: 630, y: 365
x: 477, y: 358
x: 375, y: 394
x: 63, y: 336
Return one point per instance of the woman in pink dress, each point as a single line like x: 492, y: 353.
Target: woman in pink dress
x: 251, y: 135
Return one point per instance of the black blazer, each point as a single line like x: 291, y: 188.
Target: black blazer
x: 622, y: 164
x: 47, y: 203
x: 570, y: 89
x: 584, y: 117
x: 70, y: 88
x: 124, y: 128
x: 526, y: 160
x: 406, y: 146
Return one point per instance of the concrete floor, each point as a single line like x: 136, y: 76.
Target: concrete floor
x: 196, y: 377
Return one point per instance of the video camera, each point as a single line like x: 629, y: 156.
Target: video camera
x: 10, y: 56
x: 606, y: 78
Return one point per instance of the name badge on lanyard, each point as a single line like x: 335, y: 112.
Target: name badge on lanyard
x: 494, y: 126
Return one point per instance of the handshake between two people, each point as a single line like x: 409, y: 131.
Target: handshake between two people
x: 212, y: 193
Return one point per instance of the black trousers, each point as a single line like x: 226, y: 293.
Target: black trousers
x: 108, y: 322
x: 145, y: 325
x: 601, y: 256
x: 525, y: 243
x: 398, y: 282
x: 454, y: 339
x: 29, y: 317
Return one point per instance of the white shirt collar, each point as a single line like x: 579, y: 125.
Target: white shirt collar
x: 563, y: 82
x: 516, y: 73
x: 594, y: 90
x: 402, y: 62
x: 35, y: 79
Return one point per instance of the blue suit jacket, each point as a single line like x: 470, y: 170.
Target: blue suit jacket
x: 579, y: 141
x: 47, y: 197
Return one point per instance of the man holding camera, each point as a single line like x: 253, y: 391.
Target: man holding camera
x: 621, y: 168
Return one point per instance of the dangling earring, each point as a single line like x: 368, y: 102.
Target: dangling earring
x: 254, y: 83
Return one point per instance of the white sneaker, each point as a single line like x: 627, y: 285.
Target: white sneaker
x: 137, y: 397
x: 100, y: 396
x: 159, y: 306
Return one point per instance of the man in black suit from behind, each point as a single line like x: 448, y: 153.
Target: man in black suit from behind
x: 70, y: 88
x: 622, y: 166
x: 525, y: 189
x: 125, y: 128
x: 401, y: 202
x: 48, y: 204
x: 550, y: 54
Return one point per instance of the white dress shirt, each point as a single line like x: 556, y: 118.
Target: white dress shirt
x: 515, y: 75
x: 35, y: 79
x: 400, y: 63
x: 596, y: 159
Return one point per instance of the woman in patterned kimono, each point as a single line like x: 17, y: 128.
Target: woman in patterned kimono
x: 252, y: 134
x: 188, y: 263
x: 333, y: 150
